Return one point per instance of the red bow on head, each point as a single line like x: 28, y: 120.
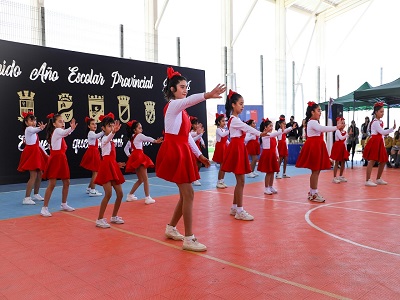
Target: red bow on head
x: 217, y: 115
x: 25, y: 114
x: 378, y: 104
x: 110, y: 115
x: 231, y: 93
x: 339, y: 119
x: 192, y: 118
x: 87, y: 119
x: 265, y: 120
x: 311, y: 103
x: 282, y: 119
x: 50, y: 116
x: 130, y: 123
x: 171, y: 73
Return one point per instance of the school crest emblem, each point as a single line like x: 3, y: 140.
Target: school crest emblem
x: 26, y: 103
x: 65, y: 106
x: 123, y: 108
x: 150, y: 111
x: 96, y: 107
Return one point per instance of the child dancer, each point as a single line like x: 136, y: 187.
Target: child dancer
x: 339, y: 152
x: 314, y: 155
x: 109, y: 175
x: 138, y: 162
x: 91, y: 158
x: 220, y: 147
x: 374, y: 150
x: 197, y: 135
x: 236, y: 159
x: 269, y: 156
x: 174, y: 160
x: 57, y: 166
x: 253, y: 148
x: 33, y: 158
x: 283, y: 147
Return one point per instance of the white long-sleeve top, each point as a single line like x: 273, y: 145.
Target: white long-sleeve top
x: 106, y: 145
x: 236, y: 128
x: 137, y: 142
x: 339, y: 136
x: 220, y: 133
x: 377, y: 128
x: 196, y: 136
x: 249, y: 136
x: 266, y: 140
x: 173, y: 117
x: 289, y: 129
x: 93, y: 136
x: 315, y: 129
x: 57, y: 136
x: 31, y: 136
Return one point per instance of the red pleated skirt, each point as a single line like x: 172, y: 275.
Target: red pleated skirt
x: 137, y: 159
x: 109, y: 171
x: 282, y: 148
x: 220, y: 149
x: 268, y: 162
x: 236, y: 158
x: 91, y: 159
x: 32, y: 158
x: 175, y: 162
x: 314, y: 155
x: 375, y: 149
x: 253, y: 147
x: 57, y: 166
x: 339, y: 151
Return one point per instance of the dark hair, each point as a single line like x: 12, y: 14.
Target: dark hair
x: 28, y: 116
x: 106, y: 121
x: 264, y: 124
x: 278, y: 124
x: 310, y: 108
x: 51, y: 127
x: 130, y: 130
x: 376, y: 108
x: 218, y: 119
x: 172, y: 83
x: 228, y: 104
x: 249, y: 122
x: 89, y: 120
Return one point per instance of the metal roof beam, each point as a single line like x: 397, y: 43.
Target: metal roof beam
x: 289, y: 3
x: 341, y: 8
x: 244, y: 22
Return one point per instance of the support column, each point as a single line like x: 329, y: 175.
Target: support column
x: 151, y: 32
x: 280, y: 57
x: 227, y: 49
x: 320, y: 47
x: 38, y: 23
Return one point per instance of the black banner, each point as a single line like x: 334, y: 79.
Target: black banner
x: 45, y: 80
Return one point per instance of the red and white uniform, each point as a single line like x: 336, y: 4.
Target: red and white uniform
x: 339, y: 151
x: 282, y: 142
x: 33, y: 157
x: 109, y: 169
x: 252, y: 143
x: 314, y: 155
x: 175, y: 162
x: 375, y: 148
x: 268, y: 162
x: 57, y: 166
x: 91, y: 158
x: 221, y: 144
x: 137, y: 157
x: 236, y: 158
x: 198, y: 139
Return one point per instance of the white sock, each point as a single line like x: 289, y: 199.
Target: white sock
x: 220, y: 181
x: 239, y: 209
x: 313, y: 192
x: 92, y: 190
x: 190, y: 237
x: 234, y: 206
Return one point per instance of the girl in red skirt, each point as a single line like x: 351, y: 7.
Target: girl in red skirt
x: 222, y: 142
x: 175, y: 162
x: 197, y: 134
x: 109, y: 175
x: 375, y: 150
x: 339, y: 152
x: 57, y: 166
x: 253, y: 148
x: 283, y: 146
x: 91, y: 158
x: 236, y: 158
x: 33, y: 157
x: 314, y: 155
x: 269, y: 156
x: 138, y: 162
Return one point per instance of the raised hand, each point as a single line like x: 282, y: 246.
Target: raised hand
x: 73, y: 124
x: 294, y: 125
x: 41, y: 125
x: 159, y: 140
x: 394, y: 126
x: 216, y: 92
x: 117, y: 126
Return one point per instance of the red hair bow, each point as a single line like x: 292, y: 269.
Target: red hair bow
x: 339, y: 119
x: 25, y: 114
x: 231, y: 93
x: 192, y: 118
x: 171, y: 73
x: 130, y: 123
x: 378, y: 104
x: 50, y: 116
x: 265, y: 120
x: 311, y: 103
x: 217, y: 115
x: 110, y: 115
x: 87, y: 119
x: 282, y: 119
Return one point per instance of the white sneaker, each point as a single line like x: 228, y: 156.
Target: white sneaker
x: 94, y: 193
x: 268, y: 191
x: 88, y: 190
x: 224, y: 184
x: 220, y: 185
x: 37, y: 197
x: 131, y: 197
x: 45, y: 212
x: 197, y: 183
x: 380, y: 181
x: 251, y: 175
x: 316, y: 198
x: 342, y: 179
x: 285, y: 176
x: 369, y: 182
x: 172, y: 233
x: 255, y: 173
x: 117, y: 220
x: 244, y: 215
x: 336, y: 180
x: 193, y: 245
x: 66, y: 207
x: 233, y: 211
x: 149, y: 200
x: 102, y: 223
x: 28, y: 201
x: 278, y: 176
x: 273, y: 190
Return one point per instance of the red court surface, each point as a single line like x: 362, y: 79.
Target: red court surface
x: 346, y: 248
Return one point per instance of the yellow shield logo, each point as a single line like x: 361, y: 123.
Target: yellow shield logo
x: 26, y: 103
x: 65, y: 106
x: 96, y: 107
x: 150, y: 111
x: 123, y: 108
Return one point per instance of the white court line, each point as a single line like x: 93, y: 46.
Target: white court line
x: 307, y: 218
x: 367, y: 211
